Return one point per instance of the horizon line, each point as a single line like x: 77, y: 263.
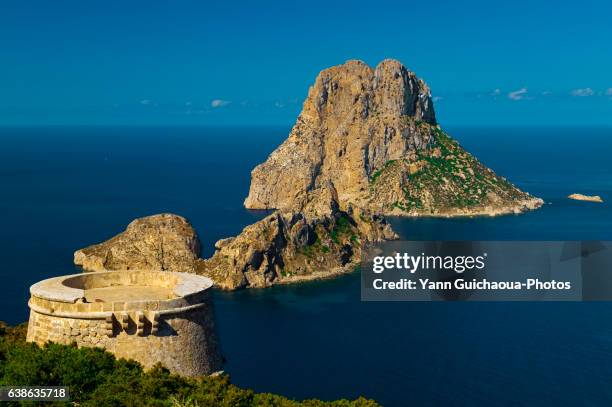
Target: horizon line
x: 219, y: 125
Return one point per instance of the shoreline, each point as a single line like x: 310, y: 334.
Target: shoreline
x: 301, y: 278
x: 521, y: 207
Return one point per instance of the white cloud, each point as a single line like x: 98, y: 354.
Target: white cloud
x: 145, y: 102
x: 436, y: 98
x: 496, y: 92
x: 546, y: 93
x: 518, y: 94
x: 279, y: 104
x: 609, y: 92
x: 582, y: 92
x: 219, y: 103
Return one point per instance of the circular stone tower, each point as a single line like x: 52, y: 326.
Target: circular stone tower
x: 147, y: 316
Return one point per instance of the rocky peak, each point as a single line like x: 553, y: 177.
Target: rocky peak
x: 353, y: 121
x: 372, y: 135
x: 165, y: 242
x: 398, y: 92
x: 355, y: 91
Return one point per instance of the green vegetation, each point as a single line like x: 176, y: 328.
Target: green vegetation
x: 443, y: 177
x: 377, y: 173
x: 310, y: 250
x: 451, y: 167
x: 97, y: 379
x: 341, y: 228
x: 408, y: 120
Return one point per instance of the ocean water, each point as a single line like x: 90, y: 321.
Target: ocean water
x: 62, y: 188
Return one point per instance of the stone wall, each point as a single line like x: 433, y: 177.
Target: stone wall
x: 178, y: 333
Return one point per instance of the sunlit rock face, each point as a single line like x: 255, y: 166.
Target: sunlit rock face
x: 372, y: 134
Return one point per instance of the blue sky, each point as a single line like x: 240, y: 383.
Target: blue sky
x: 242, y: 63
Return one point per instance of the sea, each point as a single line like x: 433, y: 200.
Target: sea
x: 63, y: 188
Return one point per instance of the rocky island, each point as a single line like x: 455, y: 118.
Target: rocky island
x: 588, y: 198
x: 365, y: 145
x: 372, y: 134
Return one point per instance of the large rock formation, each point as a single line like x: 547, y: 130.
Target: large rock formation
x: 372, y: 133
x: 317, y: 241
x: 365, y: 145
x: 159, y: 242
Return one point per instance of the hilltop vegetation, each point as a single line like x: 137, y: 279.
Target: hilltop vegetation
x: 443, y: 180
x: 97, y: 379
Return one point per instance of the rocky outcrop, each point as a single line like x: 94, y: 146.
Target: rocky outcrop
x: 365, y: 145
x: 159, y: 242
x: 372, y: 133
x: 318, y: 241
x: 588, y: 198
x: 444, y: 180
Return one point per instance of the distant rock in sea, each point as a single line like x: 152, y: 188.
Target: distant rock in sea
x: 372, y: 134
x: 580, y: 197
x: 366, y: 144
x: 317, y: 241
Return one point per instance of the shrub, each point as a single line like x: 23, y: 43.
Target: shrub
x: 97, y: 379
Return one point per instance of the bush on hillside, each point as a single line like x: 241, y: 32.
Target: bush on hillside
x: 97, y: 379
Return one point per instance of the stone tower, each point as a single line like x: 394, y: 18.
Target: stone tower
x: 147, y: 316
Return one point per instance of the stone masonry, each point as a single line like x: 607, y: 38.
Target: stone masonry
x: 147, y: 316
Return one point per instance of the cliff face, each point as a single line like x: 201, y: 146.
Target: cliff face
x: 160, y: 242
x: 372, y: 134
x: 318, y: 241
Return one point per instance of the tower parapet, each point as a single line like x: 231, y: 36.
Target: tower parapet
x: 147, y: 316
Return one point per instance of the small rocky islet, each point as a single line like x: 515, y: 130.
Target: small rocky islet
x: 366, y: 145
x: 587, y: 198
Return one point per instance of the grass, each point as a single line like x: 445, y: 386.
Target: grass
x: 449, y: 177
x: 341, y: 228
x: 311, y: 250
x: 379, y: 172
